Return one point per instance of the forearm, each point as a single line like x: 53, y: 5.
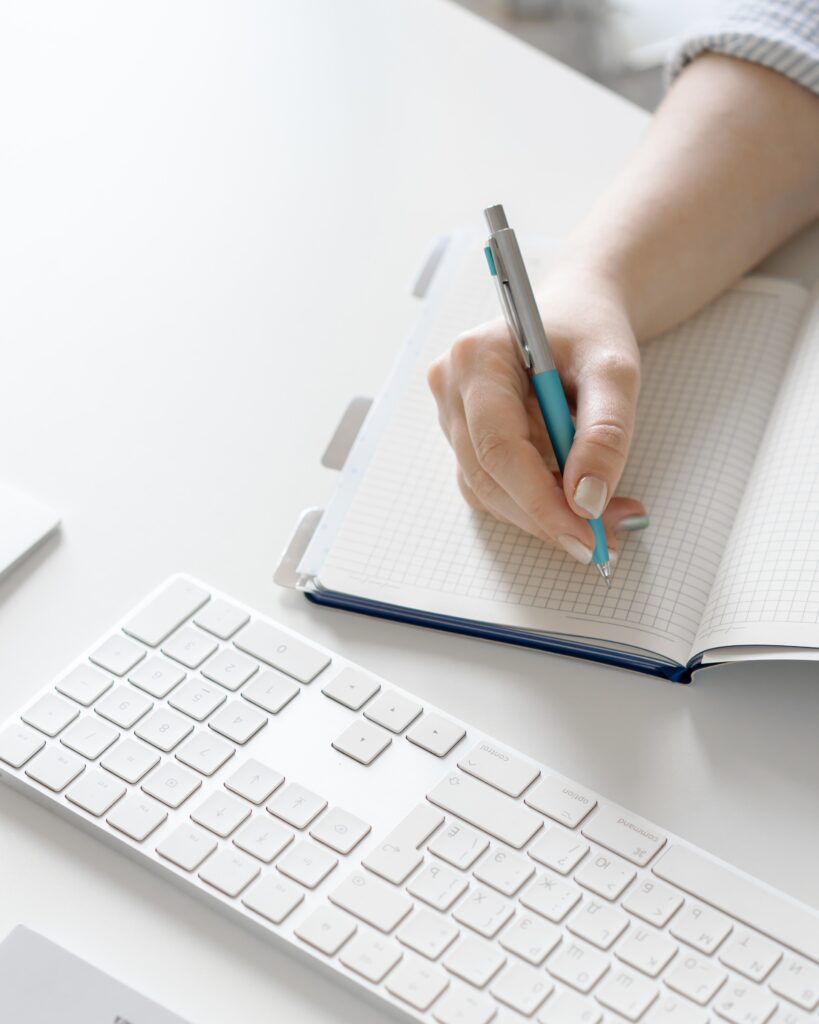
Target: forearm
x: 728, y: 170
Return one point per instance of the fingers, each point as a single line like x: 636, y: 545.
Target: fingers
x: 606, y: 396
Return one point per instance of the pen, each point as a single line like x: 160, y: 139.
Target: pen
x: 520, y: 309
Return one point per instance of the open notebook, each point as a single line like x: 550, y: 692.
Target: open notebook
x: 726, y: 460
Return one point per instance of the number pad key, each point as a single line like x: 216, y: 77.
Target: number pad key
x: 157, y: 677
x: 124, y: 706
x: 190, y: 647
x: 171, y: 785
x: 18, y: 745
x: 96, y: 792
x: 164, y: 729
x: 130, y: 761
x: 50, y: 714
x: 197, y: 699
x: 84, y: 684
x: 89, y: 737
x: 205, y: 753
x: 55, y: 768
x: 270, y: 691
x: 221, y: 618
x: 238, y: 722
x: 118, y: 655
x: 230, y: 669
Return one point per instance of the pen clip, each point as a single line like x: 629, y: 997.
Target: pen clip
x: 508, y: 304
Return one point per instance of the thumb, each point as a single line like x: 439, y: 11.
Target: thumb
x: 606, y: 408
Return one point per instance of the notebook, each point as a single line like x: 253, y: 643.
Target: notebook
x: 724, y: 458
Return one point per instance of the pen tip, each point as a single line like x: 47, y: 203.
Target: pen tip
x: 604, y: 568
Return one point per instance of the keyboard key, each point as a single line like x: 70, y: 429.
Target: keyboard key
x: 137, y: 816
x: 633, y: 838
x: 394, y: 711
x: 438, y: 886
x: 352, y: 689
x: 205, y: 753
x: 118, y: 655
x: 372, y: 900
x: 340, y: 830
x: 741, y: 1003
x: 238, y: 722
x: 89, y: 737
x: 550, y: 897
x: 750, y: 954
x: 171, y: 785
x: 653, y: 902
x: 254, y: 781
x: 647, y: 950
x: 282, y: 651
x: 417, y: 983
x: 569, y: 1008
x: 50, y: 714
x: 627, y: 994
x: 84, y: 684
x: 18, y: 745
x: 787, y: 1014
x: 197, y: 699
x: 563, y: 801
x: 130, y: 761
x: 398, y: 856
x: 55, y: 768
x: 559, y: 849
x: 371, y: 956
x: 674, y: 1010
x: 221, y: 618
x: 296, y: 805
x: 504, y: 871
x: 187, y: 847
x: 475, y: 961
x: 701, y: 927
x: 229, y: 871
x: 483, y: 911
x: 362, y: 742
x: 500, y: 768
x: 273, y: 897
x: 743, y: 898
x: 459, y: 845
x: 263, y: 839
x: 797, y: 980
x: 578, y: 965
x: 124, y: 706
x: 605, y: 875
x: 531, y: 938
x: 436, y: 734
x: 307, y: 863
x: 695, y: 978
x: 427, y: 933
x: 460, y: 1005
x: 221, y: 814
x: 230, y: 669
x: 157, y: 677
x: 522, y: 988
x: 190, y: 647
x: 96, y: 792
x: 326, y: 929
x: 598, y: 924
x: 486, y: 808
x: 164, y: 729
x: 270, y: 691
x: 166, y: 612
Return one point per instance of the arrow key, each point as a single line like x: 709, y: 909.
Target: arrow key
x: 254, y: 781
x: 436, y: 734
x: 362, y: 742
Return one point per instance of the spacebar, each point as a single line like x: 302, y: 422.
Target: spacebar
x: 748, y: 901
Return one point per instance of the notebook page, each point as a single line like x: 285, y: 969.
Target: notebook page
x: 407, y: 538
x: 767, y: 589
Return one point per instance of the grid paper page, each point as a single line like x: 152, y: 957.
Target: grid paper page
x: 409, y: 539
x: 767, y: 588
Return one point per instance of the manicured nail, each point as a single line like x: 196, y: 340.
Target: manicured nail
x: 577, y: 549
x: 590, y: 494
x: 632, y: 523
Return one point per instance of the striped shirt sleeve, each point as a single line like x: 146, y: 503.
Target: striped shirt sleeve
x: 779, y: 34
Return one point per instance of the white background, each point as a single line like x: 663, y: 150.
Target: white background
x: 211, y: 217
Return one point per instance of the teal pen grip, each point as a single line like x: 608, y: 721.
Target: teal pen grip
x: 558, y: 420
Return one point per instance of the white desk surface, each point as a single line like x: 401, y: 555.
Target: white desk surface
x: 211, y: 215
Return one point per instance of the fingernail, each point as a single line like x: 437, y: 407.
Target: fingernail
x: 590, y: 494
x: 632, y: 523
x: 577, y: 549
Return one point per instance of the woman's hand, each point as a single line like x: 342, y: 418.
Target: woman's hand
x: 490, y: 416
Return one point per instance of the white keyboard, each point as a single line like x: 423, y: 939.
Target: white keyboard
x: 445, y: 874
